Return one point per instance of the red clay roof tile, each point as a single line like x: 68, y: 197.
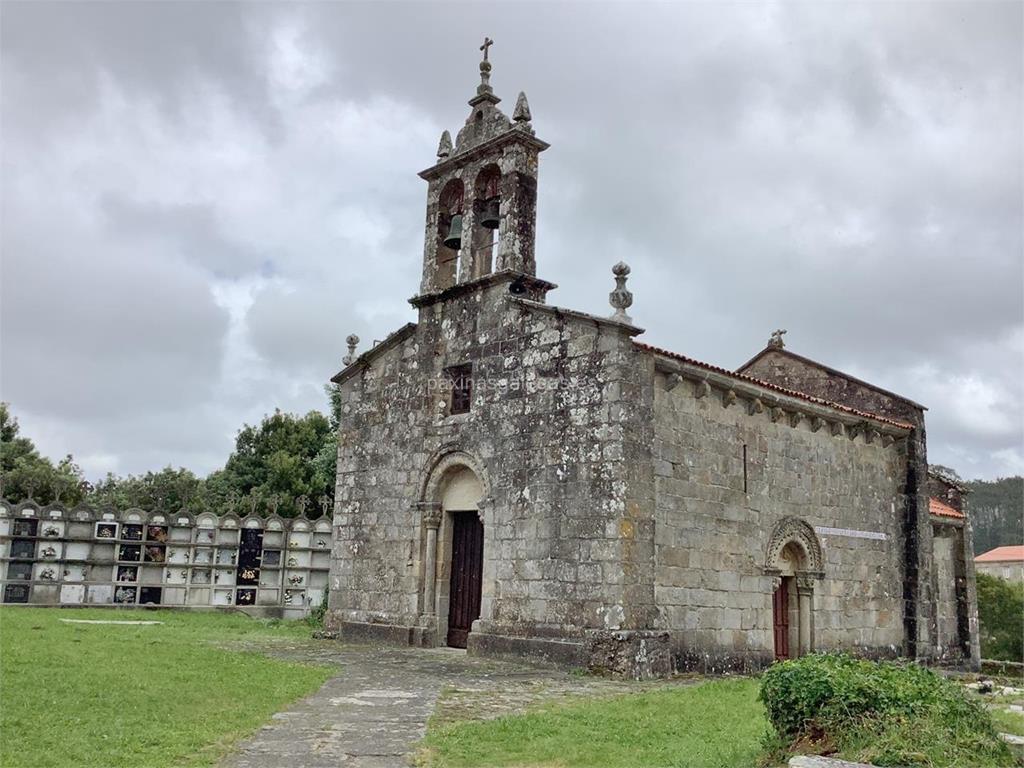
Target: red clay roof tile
x: 942, y: 509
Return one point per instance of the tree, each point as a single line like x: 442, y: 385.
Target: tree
x: 1001, y: 618
x: 278, y: 459
x: 996, y: 509
x: 286, y: 464
x: 24, y: 474
x: 169, y: 490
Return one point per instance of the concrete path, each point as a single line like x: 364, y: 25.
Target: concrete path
x: 375, y: 710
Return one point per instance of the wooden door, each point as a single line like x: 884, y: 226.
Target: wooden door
x: 467, y: 571
x: 780, y: 620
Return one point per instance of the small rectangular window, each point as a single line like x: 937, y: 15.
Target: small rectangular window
x: 745, y: 469
x: 461, y: 377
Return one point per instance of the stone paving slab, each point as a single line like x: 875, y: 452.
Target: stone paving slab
x: 375, y: 710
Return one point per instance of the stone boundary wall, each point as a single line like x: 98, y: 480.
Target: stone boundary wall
x: 266, y: 565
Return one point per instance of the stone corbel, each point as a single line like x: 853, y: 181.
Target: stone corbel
x: 838, y: 429
x: 728, y: 398
x: 776, y: 413
x: 795, y: 418
x: 483, y: 506
x: 870, y: 434
x: 817, y: 423
x: 701, y: 389
x: 756, y: 406
x: 672, y: 381
x: 888, y: 440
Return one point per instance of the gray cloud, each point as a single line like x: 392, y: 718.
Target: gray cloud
x: 201, y: 200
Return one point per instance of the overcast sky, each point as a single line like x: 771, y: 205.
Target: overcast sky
x: 201, y: 200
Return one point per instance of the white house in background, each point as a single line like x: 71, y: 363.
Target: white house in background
x: 1004, y: 562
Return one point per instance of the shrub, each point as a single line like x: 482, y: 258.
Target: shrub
x: 881, y: 712
x: 316, y: 615
x: 1001, y: 615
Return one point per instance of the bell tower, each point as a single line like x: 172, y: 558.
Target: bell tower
x: 482, y: 194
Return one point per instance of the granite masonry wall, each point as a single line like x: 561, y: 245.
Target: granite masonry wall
x: 727, y: 476
x: 626, y: 502
x: 779, y: 366
x: 955, y: 624
x: 558, y: 435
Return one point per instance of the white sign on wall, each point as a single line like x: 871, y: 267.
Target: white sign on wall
x: 822, y: 530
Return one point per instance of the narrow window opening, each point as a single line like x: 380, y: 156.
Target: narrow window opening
x: 745, y: 468
x: 486, y: 219
x: 461, y: 378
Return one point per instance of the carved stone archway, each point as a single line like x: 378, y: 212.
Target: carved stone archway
x: 793, y: 530
x: 447, y: 463
x: 441, y: 464
x: 794, y: 555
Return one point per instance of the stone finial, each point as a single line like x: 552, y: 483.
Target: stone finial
x: 621, y: 299
x: 444, y: 148
x: 353, y: 341
x: 521, y: 114
x: 776, y: 342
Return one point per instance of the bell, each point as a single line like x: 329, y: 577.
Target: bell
x: 454, y: 238
x: 490, y: 217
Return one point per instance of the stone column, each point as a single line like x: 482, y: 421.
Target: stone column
x: 432, y: 520
x: 488, y: 574
x: 805, y: 602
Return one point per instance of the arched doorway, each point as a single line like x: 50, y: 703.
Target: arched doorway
x: 795, y: 558
x: 456, y: 573
x: 459, y: 502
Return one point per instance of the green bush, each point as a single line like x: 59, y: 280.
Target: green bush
x: 880, y: 712
x: 1001, y: 616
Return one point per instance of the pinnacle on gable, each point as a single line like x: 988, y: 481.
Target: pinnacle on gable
x: 521, y: 114
x: 444, y: 148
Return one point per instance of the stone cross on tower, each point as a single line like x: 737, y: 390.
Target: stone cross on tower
x: 485, y: 72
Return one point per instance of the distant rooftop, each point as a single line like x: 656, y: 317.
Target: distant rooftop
x: 1002, y: 555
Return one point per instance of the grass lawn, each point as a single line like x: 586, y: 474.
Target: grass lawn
x: 114, y: 695
x: 717, y: 724
x: 1008, y: 722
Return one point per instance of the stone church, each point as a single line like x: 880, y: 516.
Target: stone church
x: 516, y: 477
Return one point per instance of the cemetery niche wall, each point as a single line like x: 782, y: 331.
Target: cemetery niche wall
x: 268, y: 566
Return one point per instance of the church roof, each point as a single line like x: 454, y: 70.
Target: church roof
x: 829, y: 369
x: 773, y: 387
x: 1002, y: 555
x: 942, y: 509
x: 948, y: 481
